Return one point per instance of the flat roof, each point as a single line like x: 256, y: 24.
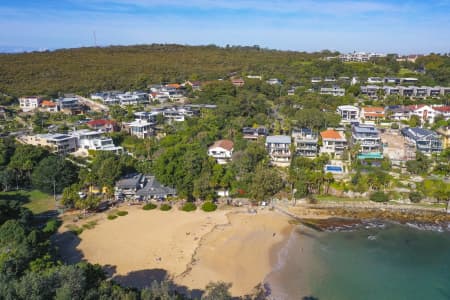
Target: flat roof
x: 278, y: 139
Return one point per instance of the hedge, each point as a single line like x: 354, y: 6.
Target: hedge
x: 189, y: 206
x: 149, y: 206
x: 165, y: 207
x: 209, y: 206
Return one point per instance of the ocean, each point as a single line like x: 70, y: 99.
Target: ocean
x: 393, y: 262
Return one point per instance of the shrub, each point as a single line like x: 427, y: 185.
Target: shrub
x: 149, y: 206
x: 189, y: 206
x: 90, y: 225
x: 122, y: 213
x: 415, y: 197
x: 165, y: 207
x: 209, y: 206
x: 75, y: 229
x: 112, y: 217
x: 51, y: 226
x: 379, y: 197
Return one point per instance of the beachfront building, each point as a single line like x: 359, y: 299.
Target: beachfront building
x: 279, y: 149
x: 29, y: 103
x: 368, y: 139
x: 141, y: 187
x: 306, y: 142
x: 334, y: 142
x: 348, y: 113
x: 94, y: 140
x: 60, y: 144
x: 140, y: 128
x: 222, y: 151
x: 424, y: 140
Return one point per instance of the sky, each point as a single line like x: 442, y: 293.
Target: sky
x: 404, y: 27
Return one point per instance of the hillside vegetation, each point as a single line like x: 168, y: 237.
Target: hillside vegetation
x: 85, y: 70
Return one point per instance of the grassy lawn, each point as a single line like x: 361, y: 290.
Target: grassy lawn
x: 36, y: 201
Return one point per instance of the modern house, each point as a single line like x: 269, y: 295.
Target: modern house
x: 133, y: 98
x: 370, y: 90
x: 29, y: 103
x: 140, y: 128
x: 348, y: 113
x: 333, y: 91
x: 141, y: 187
x: 274, y: 81
x: 424, y: 140
x: 398, y: 112
x: 70, y: 104
x: 372, y: 113
x: 94, y: 140
x: 306, y: 142
x: 368, y: 138
x: 278, y: 147
x: 61, y: 144
x: 334, y: 142
x: 251, y: 133
x: 222, y: 151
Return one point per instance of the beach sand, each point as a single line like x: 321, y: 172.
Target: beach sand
x: 192, y: 248
x: 239, y: 253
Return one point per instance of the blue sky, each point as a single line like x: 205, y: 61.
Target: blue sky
x: 307, y: 25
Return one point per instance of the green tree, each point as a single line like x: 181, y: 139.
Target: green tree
x: 265, y: 184
x: 53, y: 174
x: 217, y: 291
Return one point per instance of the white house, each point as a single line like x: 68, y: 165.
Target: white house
x: 333, y: 142
x: 140, y: 128
x: 279, y: 149
x: 222, y: 151
x: 29, y: 103
x: 60, y: 144
x: 94, y: 140
x: 334, y: 91
x: 348, y: 113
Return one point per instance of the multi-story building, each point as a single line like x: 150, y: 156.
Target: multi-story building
x: 94, y: 140
x: 70, y: 104
x: 140, y: 128
x: 391, y: 90
x: 334, y: 91
x: 60, y: 144
x: 306, y: 142
x: 372, y: 113
x: 348, y: 113
x: 251, y: 133
x: 424, y: 140
x: 133, y: 98
x: 375, y: 80
x: 406, y: 91
x: 279, y: 149
x: 333, y: 142
x: 368, y: 139
x: 222, y: 151
x: 29, y: 103
x: 370, y: 90
x: 103, y: 125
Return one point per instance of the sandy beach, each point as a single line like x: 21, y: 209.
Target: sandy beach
x: 191, y: 248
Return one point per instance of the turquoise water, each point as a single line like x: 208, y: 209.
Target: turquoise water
x: 394, y: 262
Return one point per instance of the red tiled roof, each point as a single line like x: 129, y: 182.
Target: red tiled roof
x: 442, y: 108
x: 373, y: 109
x: 100, y: 122
x: 48, y: 103
x: 225, y: 144
x: 331, y: 134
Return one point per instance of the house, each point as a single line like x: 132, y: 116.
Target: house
x: 443, y: 111
x: 424, y: 140
x: 195, y: 85
x: 141, y: 187
x: 392, y: 80
x: 409, y: 80
x: 103, y: 125
x: 251, y: 133
x: 334, y: 91
x: 444, y: 132
x: 238, y: 82
x: 279, y: 149
x: 222, y: 151
x: 375, y: 80
x: 368, y: 138
x: 29, y: 103
x: 370, y: 90
x: 94, y: 140
x: 428, y: 113
x: 372, y: 113
x: 316, y: 80
x: 334, y: 142
x: 133, y: 98
x: 61, y: 144
x: 406, y: 91
x: 140, y: 128
x: 49, y: 106
x: 306, y: 142
x: 274, y: 81
x: 348, y: 113
x: 391, y: 90
x: 397, y: 112
x: 70, y: 104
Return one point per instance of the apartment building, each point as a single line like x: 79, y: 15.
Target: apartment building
x: 306, y: 142
x: 368, y: 138
x: 279, y: 149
